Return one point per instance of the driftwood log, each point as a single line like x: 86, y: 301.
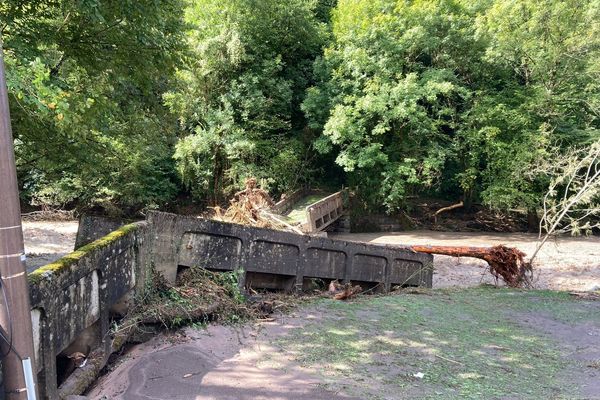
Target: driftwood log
x: 444, y: 209
x: 505, y: 262
x: 168, y: 315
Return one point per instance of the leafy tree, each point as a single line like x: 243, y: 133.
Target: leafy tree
x: 238, y: 97
x: 546, y: 98
x: 117, y: 103
x: 390, y: 100
x: 455, y: 97
x: 85, y: 80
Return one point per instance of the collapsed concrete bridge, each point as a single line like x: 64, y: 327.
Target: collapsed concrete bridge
x: 79, y: 294
x: 312, y: 210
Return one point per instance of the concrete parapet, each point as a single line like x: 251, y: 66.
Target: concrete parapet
x: 93, y: 227
x: 286, y: 204
x: 187, y: 241
x: 75, y: 294
x: 324, y: 212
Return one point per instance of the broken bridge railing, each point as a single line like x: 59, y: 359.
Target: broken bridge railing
x: 324, y: 212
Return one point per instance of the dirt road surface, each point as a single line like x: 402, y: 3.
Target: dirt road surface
x: 221, y: 362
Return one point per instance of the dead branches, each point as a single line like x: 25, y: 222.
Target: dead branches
x: 572, y: 202
x: 170, y: 316
x: 48, y: 215
x: 259, y: 197
x: 252, y: 206
x: 343, y: 292
x: 505, y: 262
x: 444, y: 209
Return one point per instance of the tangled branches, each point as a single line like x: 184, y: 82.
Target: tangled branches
x: 505, y: 262
x: 252, y: 206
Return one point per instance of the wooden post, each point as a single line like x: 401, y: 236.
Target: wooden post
x: 15, y: 312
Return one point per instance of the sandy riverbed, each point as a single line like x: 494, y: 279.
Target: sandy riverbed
x: 47, y: 241
x: 565, y: 264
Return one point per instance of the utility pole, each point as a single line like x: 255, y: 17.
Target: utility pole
x: 15, y: 312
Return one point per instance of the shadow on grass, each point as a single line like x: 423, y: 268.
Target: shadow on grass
x: 467, y: 344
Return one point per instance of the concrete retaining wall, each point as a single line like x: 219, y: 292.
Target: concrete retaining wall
x: 380, y: 223
x: 76, y: 294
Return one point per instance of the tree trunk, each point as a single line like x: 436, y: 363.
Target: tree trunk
x: 533, y: 221
x: 468, y: 200
x: 505, y: 262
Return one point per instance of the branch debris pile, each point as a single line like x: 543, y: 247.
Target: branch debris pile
x: 252, y: 206
x: 201, y: 296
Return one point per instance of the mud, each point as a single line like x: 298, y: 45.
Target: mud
x: 579, y: 342
x: 221, y: 362
x: 565, y: 264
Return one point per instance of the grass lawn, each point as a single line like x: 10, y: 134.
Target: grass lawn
x: 480, y: 343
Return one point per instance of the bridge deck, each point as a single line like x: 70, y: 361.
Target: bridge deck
x: 313, y: 212
x: 298, y: 212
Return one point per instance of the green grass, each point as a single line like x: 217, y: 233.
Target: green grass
x: 297, y: 214
x: 466, y: 342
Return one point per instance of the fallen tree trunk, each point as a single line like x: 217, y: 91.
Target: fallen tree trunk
x: 505, y: 262
x: 169, y: 316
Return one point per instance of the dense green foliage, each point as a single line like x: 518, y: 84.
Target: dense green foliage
x: 456, y: 97
x: 85, y: 80
x: 126, y: 104
x: 238, y: 97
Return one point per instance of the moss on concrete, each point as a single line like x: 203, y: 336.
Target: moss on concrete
x: 298, y: 213
x: 67, y: 261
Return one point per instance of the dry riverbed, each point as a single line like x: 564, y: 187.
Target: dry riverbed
x: 47, y: 241
x: 569, y: 263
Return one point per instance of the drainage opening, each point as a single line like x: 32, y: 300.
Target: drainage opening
x: 75, y: 355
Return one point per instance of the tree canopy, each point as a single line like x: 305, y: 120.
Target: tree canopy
x: 455, y: 96
x: 238, y: 96
x: 127, y: 104
x: 85, y: 81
